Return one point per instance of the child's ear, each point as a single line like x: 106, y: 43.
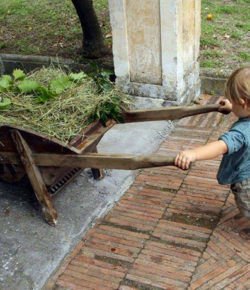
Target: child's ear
x: 243, y: 103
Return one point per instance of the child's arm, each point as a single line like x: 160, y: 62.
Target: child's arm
x: 208, y: 151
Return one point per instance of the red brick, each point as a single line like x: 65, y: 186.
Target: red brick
x: 195, y: 192
x: 191, y: 199
x: 130, y: 215
x: 204, y: 267
x: 205, y: 209
x: 147, y: 281
x: 123, y: 221
x: 199, y: 214
x: 241, y: 282
x: 179, y: 240
x: 95, y: 271
x: 162, y: 196
x: 170, y: 171
x: 175, y: 250
x: 203, y: 181
x: 118, y: 270
x: 146, y: 217
x: 220, y: 249
x: 168, y: 256
x: 69, y: 283
x: 92, y: 252
x: 160, y: 181
x: 227, y: 277
x: 99, y: 276
x: 235, y: 243
x: 161, y: 270
x: 156, y: 279
x: 147, y: 203
x: 78, y: 279
x: 140, y: 207
x: 211, y: 253
x: 122, y: 241
x: 168, y: 261
x: 134, y: 236
x: 112, y: 247
x: 205, y: 278
x: 184, y: 228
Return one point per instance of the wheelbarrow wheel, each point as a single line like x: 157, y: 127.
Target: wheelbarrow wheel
x: 11, y: 173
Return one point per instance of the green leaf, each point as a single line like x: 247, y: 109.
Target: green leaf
x: 104, y: 119
x: 18, y: 74
x: 107, y: 86
x: 105, y: 74
x: 98, y: 114
x: 119, y: 119
x: 7, y: 78
x: 28, y: 86
x: 77, y: 76
x: 44, y: 94
x: 94, y: 66
x: 59, y: 85
x: 5, y: 103
x: 5, y: 83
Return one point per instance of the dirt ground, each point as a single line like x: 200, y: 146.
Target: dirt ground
x: 37, y: 28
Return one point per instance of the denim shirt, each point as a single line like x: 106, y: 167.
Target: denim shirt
x: 235, y: 164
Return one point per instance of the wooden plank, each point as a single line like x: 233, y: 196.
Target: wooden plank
x: 37, y: 142
x: 88, y: 138
x: 170, y: 113
x: 95, y: 160
x: 86, y: 141
x: 35, y: 178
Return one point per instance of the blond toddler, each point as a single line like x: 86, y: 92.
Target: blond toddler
x: 234, y: 145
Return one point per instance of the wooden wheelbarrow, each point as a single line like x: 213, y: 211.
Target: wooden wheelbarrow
x: 51, y: 164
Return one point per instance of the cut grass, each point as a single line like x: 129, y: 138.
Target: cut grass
x: 46, y: 27
x: 63, y: 115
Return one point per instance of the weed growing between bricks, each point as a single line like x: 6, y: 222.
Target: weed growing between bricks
x: 113, y: 261
x: 128, y: 228
x: 165, y: 189
x: 155, y: 239
x: 200, y: 222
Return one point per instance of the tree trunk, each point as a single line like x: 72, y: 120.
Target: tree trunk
x: 93, y: 45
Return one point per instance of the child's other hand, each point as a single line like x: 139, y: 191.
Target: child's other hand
x: 226, y: 106
x: 184, y: 159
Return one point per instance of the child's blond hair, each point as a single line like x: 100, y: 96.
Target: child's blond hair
x: 238, y: 85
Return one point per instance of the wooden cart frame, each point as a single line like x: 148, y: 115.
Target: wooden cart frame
x: 51, y: 164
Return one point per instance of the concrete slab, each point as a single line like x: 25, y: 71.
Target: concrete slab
x: 31, y: 250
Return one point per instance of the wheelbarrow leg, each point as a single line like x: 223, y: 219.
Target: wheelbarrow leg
x: 98, y: 174
x: 35, y: 178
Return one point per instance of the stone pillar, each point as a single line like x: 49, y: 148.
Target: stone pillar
x: 156, y: 47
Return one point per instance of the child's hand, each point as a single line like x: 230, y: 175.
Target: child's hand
x: 184, y: 158
x: 226, y: 106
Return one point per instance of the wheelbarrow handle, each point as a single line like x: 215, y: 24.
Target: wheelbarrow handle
x: 170, y: 113
x: 93, y: 160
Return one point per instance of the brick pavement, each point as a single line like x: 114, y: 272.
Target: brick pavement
x: 172, y: 229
